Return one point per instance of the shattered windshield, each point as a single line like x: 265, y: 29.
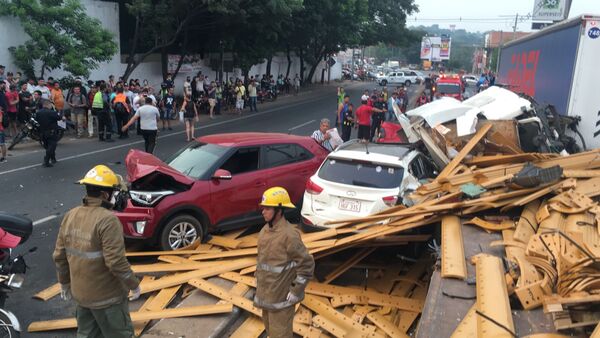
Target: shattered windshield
x: 196, y: 159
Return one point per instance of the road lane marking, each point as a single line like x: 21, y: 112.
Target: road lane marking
x: 301, y: 125
x: 160, y: 137
x: 44, y: 220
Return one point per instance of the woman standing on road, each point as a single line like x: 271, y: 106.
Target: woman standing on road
x: 190, y: 114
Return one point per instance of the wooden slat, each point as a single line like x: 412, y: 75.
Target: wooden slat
x: 225, y: 242
x: 356, y: 258
x: 463, y: 153
x: 468, y: 325
x: 138, y: 328
x: 186, y: 276
x: 48, y: 293
x: 385, y: 325
x: 492, y: 297
x: 71, y: 323
x: 252, y: 327
x: 453, y: 250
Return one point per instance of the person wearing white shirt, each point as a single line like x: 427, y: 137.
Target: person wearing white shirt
x: 43, y: 89
x: 148, y: 115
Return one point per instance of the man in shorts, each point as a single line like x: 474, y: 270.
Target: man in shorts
x: 167, y: 107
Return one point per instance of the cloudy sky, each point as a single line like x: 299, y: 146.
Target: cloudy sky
x: 484, y: 15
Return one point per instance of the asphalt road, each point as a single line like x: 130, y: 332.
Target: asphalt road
x: 45, y: 194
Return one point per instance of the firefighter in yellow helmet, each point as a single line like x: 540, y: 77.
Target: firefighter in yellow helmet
x: 284, y: 266
x: 90, y: 261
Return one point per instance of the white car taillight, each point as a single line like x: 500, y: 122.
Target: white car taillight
x: 312, y: 188
x: 390, y: 201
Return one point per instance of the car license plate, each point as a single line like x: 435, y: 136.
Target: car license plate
x: 349, y: 205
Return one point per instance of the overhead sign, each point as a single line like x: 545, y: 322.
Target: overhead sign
x: 551, y: 10
x: 435, y: 48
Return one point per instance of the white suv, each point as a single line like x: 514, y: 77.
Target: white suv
x: 406, y: 78
x: 360, y: 179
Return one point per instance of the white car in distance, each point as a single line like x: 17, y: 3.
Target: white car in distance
x: 360, y: 179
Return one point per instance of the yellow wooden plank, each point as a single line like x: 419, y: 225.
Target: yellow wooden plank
x: 139, y: 327
x: 408, y: 318
x: 162, y: 300
x: 225, y: 242
x: 326, y: 290
x: 48, y: 293
x: 330, y: 326
x: 385, y: 325
x: 71, y: 323
x: 252, y: 327
x: 172, y: 267
x: 596, y: 333
x: 463, y: 153
x: 492, y: 298
x: 468, y: 325
x: 453, y: 251
x: 349, y: 263
x: 186, y: 276
x: 169, y: 253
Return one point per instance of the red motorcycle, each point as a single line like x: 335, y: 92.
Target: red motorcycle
x: 14, y: 230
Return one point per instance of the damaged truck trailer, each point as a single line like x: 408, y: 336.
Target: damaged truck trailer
x: 559, y: 66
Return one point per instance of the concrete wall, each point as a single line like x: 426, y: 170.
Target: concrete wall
x: 107, y: 13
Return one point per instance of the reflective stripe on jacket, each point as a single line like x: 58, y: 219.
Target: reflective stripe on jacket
x: 284, y: 265
x: 90, y: 255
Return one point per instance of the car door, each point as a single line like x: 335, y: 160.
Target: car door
x: 392, y: 77
x: 399, y: 78
x: 238, y: 198
x: 288, y: 165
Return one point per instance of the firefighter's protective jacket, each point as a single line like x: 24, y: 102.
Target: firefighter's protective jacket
x: 90, y: 255
x: 284, y: 265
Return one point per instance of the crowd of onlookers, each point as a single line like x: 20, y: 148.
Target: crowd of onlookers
x: 104, y: 107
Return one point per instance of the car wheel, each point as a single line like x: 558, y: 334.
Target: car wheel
x: 407, y: 83
x: 180, y: 232
x: 383, y: 82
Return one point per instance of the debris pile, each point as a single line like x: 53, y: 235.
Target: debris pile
x: 541, y: 203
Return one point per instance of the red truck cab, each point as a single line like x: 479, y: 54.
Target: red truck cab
x: 451, y: 86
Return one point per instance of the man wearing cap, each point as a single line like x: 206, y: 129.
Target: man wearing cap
x: 90, y: 261
x: 283, y: 267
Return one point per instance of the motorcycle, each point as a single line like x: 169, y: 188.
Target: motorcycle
x: 14, y: 230
x: 31, y: 129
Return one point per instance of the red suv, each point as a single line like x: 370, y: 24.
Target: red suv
x: 215, y: 183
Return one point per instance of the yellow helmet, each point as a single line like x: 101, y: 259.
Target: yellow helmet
x: 276, y: 197
x: 101, y: 176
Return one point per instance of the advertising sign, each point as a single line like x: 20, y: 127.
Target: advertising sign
x: 551, y: 10
x: 425, y: 49
x: 431, y: 49
x: 445, y: 43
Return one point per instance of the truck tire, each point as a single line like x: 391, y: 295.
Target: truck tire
x: 407, y: 83
x: 181, y: 231
x: 383, y: 83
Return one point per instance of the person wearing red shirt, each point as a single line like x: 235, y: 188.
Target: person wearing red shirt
x: 12, y: 99
x: 363, y: 119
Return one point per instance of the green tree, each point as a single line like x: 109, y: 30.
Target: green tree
x: 62, y: 36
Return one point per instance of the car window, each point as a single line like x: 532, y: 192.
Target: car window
x: 413, y: 74
x: 196, y: 159
x: 449, y: 88
x: 421, y: 168
x: 361, y: 173
x: 282, y: 154
x: 242, y: 161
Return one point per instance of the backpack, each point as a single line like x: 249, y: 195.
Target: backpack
x: 120, y: 108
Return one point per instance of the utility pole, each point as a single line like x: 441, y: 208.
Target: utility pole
x: 515, y: 26
x: 352, y: 67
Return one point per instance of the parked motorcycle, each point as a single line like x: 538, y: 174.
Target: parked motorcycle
x: 31, y: 129
x: 14, y: 230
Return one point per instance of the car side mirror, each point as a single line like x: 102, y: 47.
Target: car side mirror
x: 222, y: 174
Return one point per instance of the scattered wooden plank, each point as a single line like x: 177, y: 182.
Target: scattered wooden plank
x: 252, y: 327
x: 453, y: 250
x: 71, y: 323
x: 463, y: 152
x: 385, y: 325
x: 356, y: 258
x: 48, y: 293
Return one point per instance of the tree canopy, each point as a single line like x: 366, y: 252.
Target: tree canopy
x: 61, y: 35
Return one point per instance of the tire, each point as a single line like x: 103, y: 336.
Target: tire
x: 407, y: 83
x: 180, y: 231
x: 6, y: 328
x: 16, y: 140
x: 383, y: 83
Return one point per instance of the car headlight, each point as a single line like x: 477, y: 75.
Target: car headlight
x: 149, y: 198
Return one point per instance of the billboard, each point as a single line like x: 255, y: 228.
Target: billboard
x: 551, y: 10
x: 435, y: 48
